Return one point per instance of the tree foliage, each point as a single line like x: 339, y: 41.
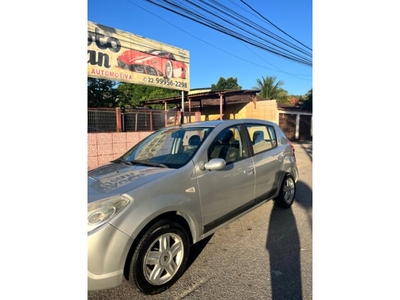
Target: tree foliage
x: 133, y: 95
x: 107, y: 93
x: 307, y: 103
x: 293, y: 100
x: 101, y: 93
x: 226, y: 84
x: 272, y: 90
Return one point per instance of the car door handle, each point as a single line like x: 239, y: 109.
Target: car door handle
x: 250, y: 171
x: 280, y: 158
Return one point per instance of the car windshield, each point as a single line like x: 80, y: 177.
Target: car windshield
x: 169, y: 147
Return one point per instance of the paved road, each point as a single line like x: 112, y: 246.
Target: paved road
x: 303, y: 153
x: 266, y: 254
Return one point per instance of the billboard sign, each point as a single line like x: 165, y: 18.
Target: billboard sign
x: 121, y: 56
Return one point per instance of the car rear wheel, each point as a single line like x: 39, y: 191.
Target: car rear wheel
x: 160, y: 257
x: 168, y: 70
x: 286, y: 194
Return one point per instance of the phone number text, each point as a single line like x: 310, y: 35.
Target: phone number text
x: 166, y: 82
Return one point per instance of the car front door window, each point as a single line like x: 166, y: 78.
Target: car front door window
x: 228, y: 145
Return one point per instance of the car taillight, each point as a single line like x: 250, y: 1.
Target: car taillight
x: 293, y: 149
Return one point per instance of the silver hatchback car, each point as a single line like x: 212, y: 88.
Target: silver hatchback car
x: 175, y: 188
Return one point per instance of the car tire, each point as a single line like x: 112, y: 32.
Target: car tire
x: 168, y: 70
x: 287, y: 192
x: 160, y: 257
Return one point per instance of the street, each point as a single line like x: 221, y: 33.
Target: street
x: 266, y: 254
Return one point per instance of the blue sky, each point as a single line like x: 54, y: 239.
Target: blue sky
x: 214, y: 54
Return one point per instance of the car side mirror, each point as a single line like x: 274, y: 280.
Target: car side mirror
x: 214, y: 164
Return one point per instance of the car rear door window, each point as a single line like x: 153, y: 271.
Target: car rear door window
x: 263, y: 137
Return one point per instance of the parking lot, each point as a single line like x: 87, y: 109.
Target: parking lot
x: 266, y: 254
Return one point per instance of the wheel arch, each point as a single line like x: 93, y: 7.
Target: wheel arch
x: 279, y: 199
x: 173, y: 216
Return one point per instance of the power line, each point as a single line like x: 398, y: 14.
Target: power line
x: 259, y: 28
x: 190, y: 13
x: 220, y: 49
x: 274, y: 24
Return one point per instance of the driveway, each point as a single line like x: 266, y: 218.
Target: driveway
x: 303, y: 153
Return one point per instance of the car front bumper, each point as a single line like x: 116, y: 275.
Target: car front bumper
x: 108, y: 248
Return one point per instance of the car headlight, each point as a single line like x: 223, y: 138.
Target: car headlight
x: 102, y: 211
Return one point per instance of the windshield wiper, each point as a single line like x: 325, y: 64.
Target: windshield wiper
x: 146, y: 163
x: 139, y: 162
x: 121, y: 160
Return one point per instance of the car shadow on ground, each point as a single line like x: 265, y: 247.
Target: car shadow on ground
x: 283, y: 245
x: 196, y: 249
x: 307, y: 148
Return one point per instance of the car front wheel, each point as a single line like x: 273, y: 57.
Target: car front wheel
x: 160, y: 257
x: 287, y: 192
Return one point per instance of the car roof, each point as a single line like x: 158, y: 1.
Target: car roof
x: 216, y: 123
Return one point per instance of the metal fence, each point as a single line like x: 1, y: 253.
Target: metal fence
x: 102, y: 120
x: 117, y: 120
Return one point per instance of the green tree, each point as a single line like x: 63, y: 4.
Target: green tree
x: 133, y: 95
x: 226, y: 84
x: 307, y: 103
x: 108, y: 93
x: 271, y: 90
x: 101, y: 93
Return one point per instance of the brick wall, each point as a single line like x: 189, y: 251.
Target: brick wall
x: 104, y: 147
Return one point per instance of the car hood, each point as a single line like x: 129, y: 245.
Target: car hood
x: 113, y: 179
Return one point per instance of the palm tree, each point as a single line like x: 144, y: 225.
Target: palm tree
x: 271, y: 90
